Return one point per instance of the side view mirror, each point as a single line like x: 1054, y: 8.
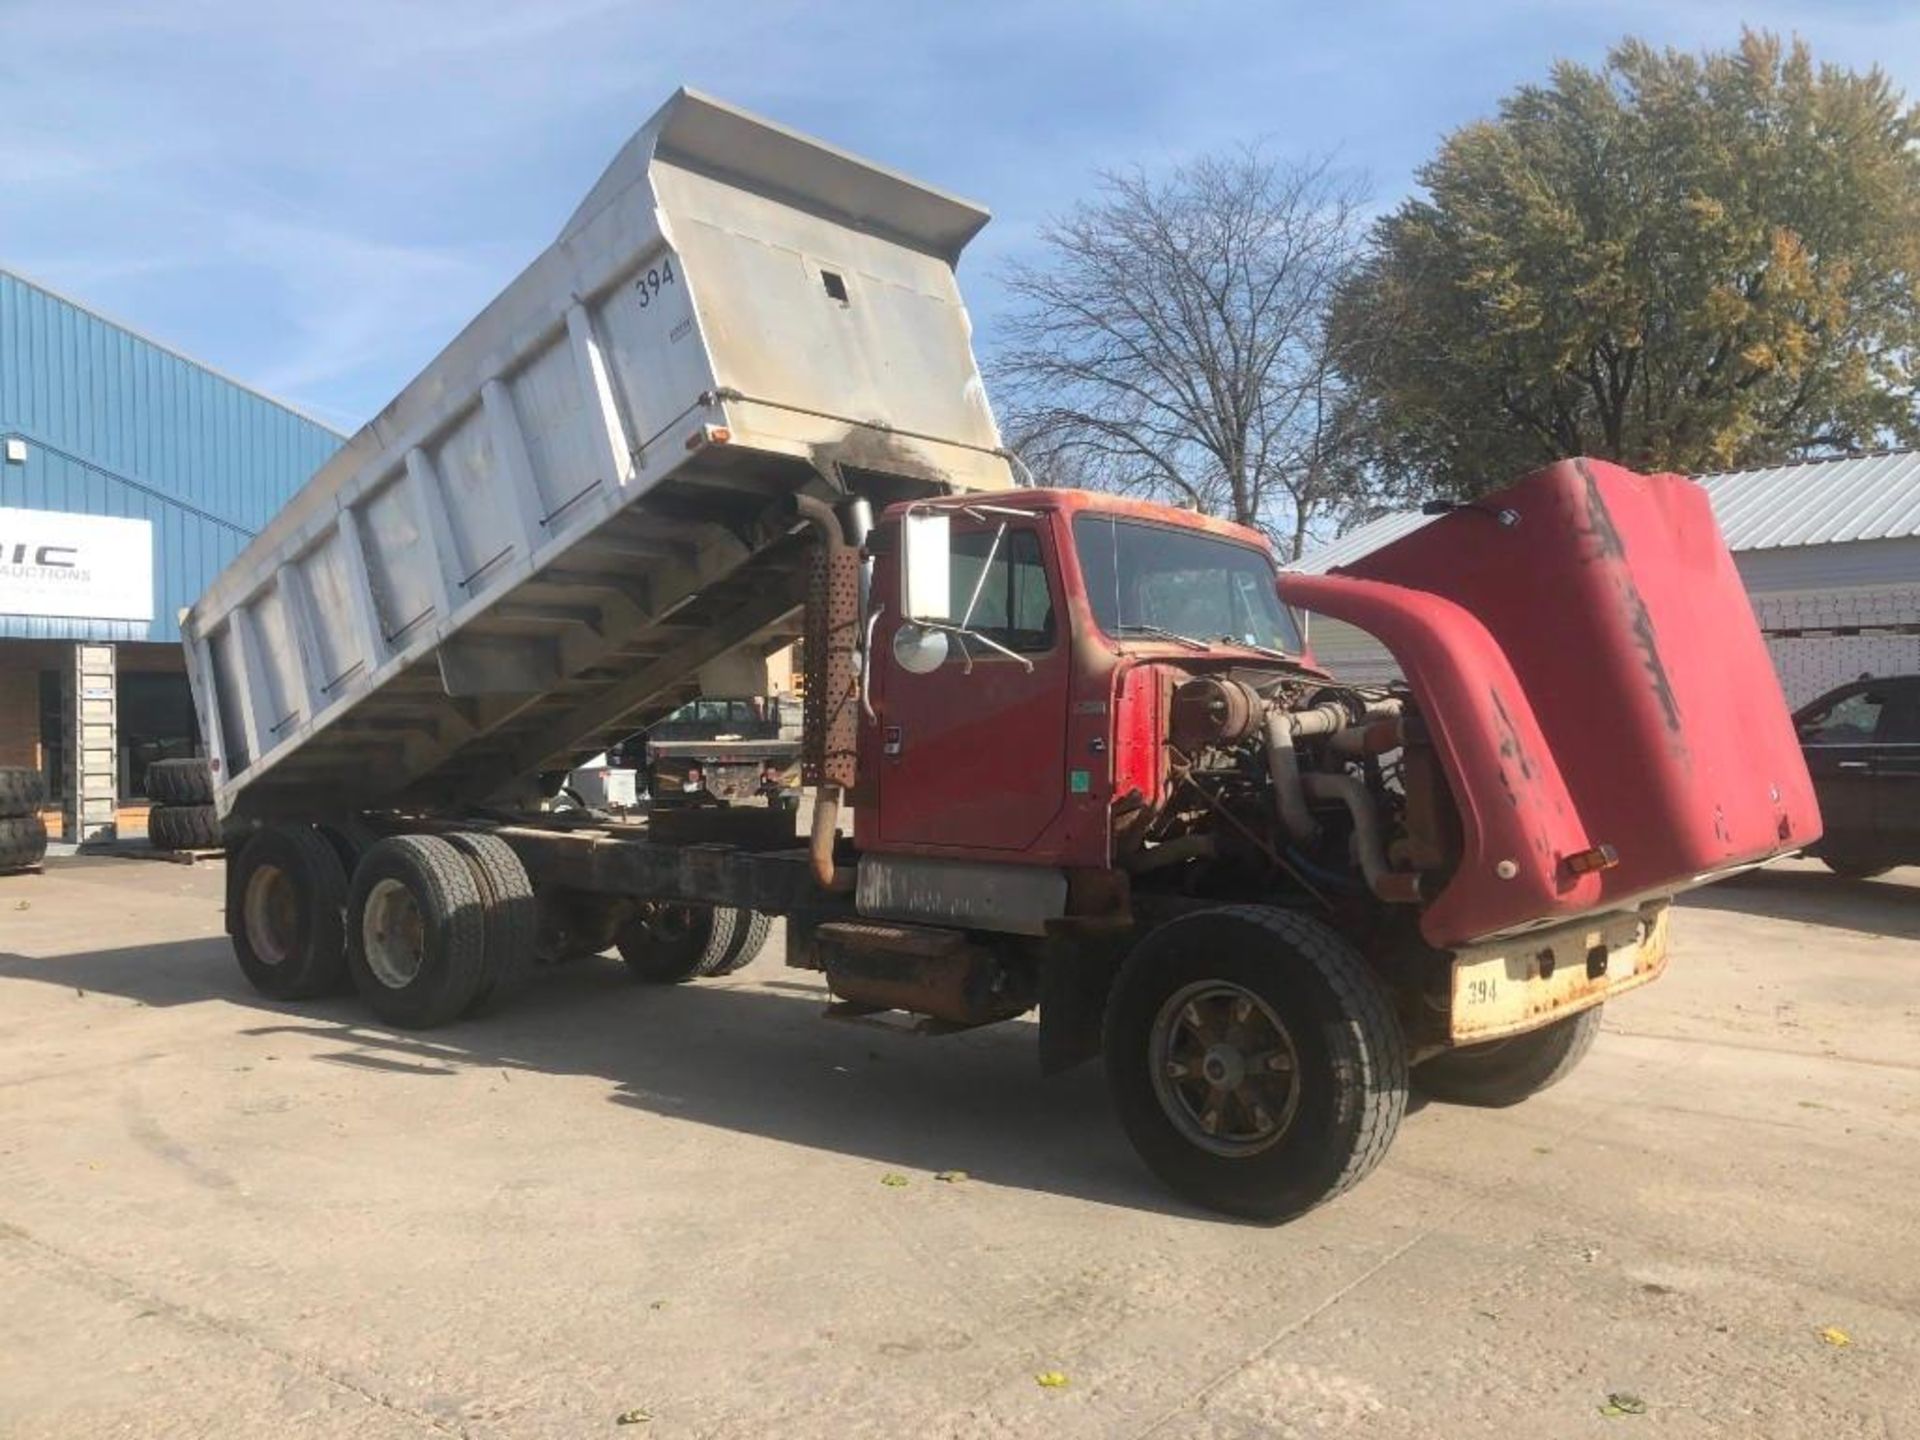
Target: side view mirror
x: 918, y: 650
x: 926, y: 577
x: 926, y: 567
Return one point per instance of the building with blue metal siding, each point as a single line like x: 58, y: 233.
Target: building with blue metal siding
x: 100, y: 424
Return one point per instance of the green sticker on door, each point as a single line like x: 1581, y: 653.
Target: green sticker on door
x: 1080, y: 781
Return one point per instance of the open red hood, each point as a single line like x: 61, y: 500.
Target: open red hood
x: 1587, y: 660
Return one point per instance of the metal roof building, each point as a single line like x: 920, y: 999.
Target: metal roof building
x: 129, y: 475
x: 1829, y: 551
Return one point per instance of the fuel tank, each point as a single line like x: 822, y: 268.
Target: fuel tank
x: 1599, y: 692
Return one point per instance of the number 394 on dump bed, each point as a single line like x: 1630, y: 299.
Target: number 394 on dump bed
x: 1069, y: 752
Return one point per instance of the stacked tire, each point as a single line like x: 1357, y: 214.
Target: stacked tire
x: 182, y: 816
x: 23, y: 835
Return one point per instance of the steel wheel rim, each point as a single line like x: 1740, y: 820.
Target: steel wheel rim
x: 1224, y: 1068
x: 669, y: 927
x: 270, y: 910
x: 394, y: 934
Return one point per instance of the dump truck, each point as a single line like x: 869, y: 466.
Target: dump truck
x: 1067, y: 752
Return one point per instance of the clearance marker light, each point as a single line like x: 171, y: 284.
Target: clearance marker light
x: 1585, y: 862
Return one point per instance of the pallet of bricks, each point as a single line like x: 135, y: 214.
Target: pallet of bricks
x: 182, y: 815
x: 23, y: 834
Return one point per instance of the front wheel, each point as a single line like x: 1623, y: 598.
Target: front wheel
x: 1255, y: 1062
x: 1497, y: 1073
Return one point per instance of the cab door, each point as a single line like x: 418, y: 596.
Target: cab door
x: 1896, y: 772
x: 974, y: 758
x: 1839, y: 737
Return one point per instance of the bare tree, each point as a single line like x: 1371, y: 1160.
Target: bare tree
x: 1173, y: 341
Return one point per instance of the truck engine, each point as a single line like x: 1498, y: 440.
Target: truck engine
x: 1277, y: 774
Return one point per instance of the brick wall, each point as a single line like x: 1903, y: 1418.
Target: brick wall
x: 19, y: 705
x: 1823, y: 638
x: 1811, y: 665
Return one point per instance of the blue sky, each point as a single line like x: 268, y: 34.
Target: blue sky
x: 314, y: 198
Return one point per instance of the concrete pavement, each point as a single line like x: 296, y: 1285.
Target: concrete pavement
x: 221, y: 1216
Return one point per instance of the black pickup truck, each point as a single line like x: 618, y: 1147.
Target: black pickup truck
x: 731, y: 749
x: 1862, y: 743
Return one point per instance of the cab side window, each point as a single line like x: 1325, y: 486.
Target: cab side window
x: 1014, y: 606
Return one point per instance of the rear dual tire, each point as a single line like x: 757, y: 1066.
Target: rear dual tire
x: 509, y: 915
x: 416, y: 931
x: 286, y: 894
x: 427, y: 928
x: 670, y: 944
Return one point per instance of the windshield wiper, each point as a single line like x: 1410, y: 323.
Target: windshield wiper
x: 1187, y: 640
x: 1261, y: 649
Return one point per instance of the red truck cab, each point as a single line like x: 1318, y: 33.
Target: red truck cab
x: 1086, y: 717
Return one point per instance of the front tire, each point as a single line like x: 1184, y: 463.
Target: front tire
x: 1254, y: 1061
x: 1499, y: 1073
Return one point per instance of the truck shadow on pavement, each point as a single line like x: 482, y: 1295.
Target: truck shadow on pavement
x: 1888, y: 906
x: 750, y: 1054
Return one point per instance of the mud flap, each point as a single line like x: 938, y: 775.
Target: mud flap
x: 1076, y: 972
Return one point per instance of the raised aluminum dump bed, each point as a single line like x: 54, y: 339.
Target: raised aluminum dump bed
x: 586, y: 498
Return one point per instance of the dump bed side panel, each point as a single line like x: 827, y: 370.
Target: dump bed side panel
x: 582, y: 500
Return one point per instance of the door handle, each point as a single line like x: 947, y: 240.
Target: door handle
x: 1852, y: 765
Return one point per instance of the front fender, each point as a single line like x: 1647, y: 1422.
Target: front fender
x: 1516, y: 812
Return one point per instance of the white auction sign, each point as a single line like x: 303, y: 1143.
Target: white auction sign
x: 75, y: 567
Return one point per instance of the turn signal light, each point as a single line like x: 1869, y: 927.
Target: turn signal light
x: 708, y: 435
x: 1585, y: 862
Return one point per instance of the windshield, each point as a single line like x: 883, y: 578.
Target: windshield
x: 1144, y: 578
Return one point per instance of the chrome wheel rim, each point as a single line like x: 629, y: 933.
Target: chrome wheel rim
x: 394, y: 934
x: 1224, y: 1068
x: 270, y: 910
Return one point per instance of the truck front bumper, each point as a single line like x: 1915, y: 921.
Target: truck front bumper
x: 1521, y: 983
